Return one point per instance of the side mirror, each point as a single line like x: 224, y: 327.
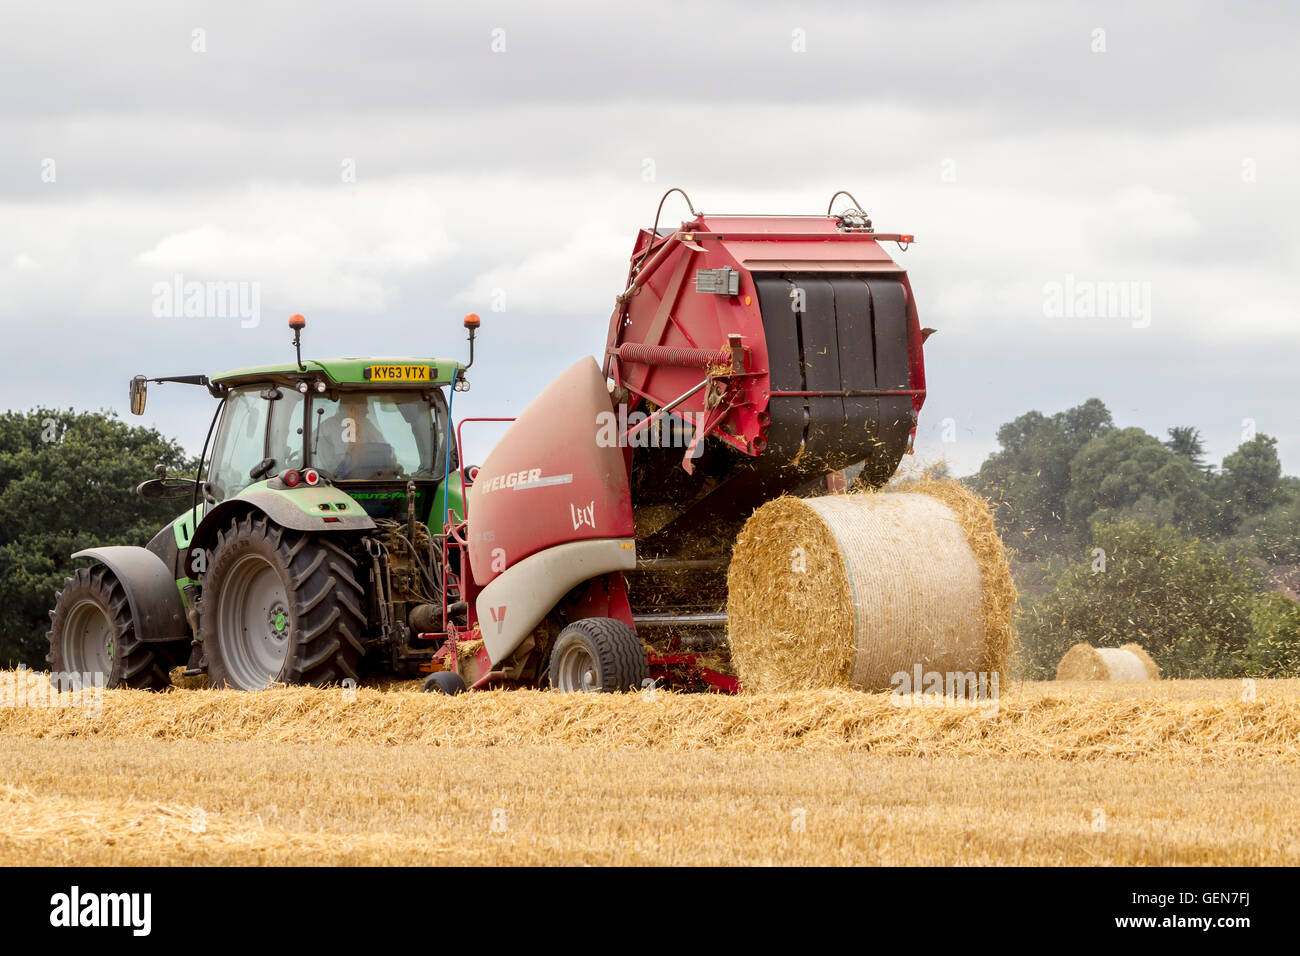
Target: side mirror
x: 138, y: 395
x: 161, y: 489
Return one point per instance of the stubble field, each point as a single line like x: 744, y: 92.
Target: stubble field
x: 1169, y: 772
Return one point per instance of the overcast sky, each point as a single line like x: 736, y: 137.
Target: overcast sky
x: 383, y: 168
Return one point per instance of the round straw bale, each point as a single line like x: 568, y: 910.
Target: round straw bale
x: 1126, y: 663
x: 852, y: 589
x: 1149, y: 665
x: 997, y: 588
x: 1082, y: 662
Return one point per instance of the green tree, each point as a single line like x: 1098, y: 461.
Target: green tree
x: 1252, y: 476
x: 67, y: 482
x: 1128, y: 473
x: 1183, y: 599
x: 1275, y: 646
x: 1085, y: 422
x: 1028, y: 478
x: 1275, y: 535
x: 1186, y: 441
x: 939, y: 471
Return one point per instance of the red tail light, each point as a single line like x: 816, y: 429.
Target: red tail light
x: 311, y: 476
x: 291, y: 478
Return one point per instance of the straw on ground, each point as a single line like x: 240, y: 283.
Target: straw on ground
x: 1184, y: 772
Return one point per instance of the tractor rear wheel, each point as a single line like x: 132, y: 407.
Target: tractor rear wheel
x: 280, y: 606
x: 92, y: 632
x: 598, y: 654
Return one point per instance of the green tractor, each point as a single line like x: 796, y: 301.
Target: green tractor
x: 306, y: 543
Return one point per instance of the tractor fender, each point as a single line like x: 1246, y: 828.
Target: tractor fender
x: 151, y: 591
x: 517, y: 599
x: 276, y: 505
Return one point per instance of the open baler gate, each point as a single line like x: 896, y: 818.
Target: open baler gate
x: 791, y: 346
x: 792, y: 342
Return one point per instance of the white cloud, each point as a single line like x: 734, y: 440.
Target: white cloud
x: 566, y: 273
x: 538, y: 192
x: 342, y: 247
x: 1140, y: 212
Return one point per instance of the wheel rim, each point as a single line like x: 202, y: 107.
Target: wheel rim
x: 578, y: 670
x: 89, y: 644
x: 253, y: 623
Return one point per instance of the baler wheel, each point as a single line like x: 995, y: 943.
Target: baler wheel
x: 443, y: 682
x: 92, y: 632
x: 598, y: 654
x: 280, y: 606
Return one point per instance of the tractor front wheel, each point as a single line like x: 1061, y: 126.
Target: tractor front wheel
x: 598, y: 654
x: 280, y: 606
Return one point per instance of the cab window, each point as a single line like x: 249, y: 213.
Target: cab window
x: 284, y: 441
x: 240, y: 444
x: 376, y: 436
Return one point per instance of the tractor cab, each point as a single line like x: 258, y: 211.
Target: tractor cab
x: 375, y: 428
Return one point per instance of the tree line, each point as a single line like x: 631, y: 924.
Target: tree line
x: 1116, y: 535
x: 67, y: 482
x: 1121, y: 536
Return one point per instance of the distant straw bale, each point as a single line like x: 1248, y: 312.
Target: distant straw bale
x: 1129, y: 662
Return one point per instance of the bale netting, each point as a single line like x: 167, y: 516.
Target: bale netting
x: 849, y: 590
x: 1126, y: 662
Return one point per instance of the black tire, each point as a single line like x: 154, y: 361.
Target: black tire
x: 313, y: 619
x: 597, y: 654
x: 93, y: 598
x: 443, y: 682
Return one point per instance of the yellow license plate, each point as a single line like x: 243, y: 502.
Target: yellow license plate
x: 397, y: 373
